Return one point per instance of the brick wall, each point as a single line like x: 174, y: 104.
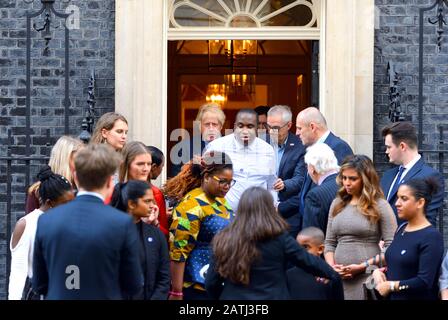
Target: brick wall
x: 397, y: 40
x: 91, y: 48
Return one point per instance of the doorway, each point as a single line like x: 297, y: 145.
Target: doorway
x: 277, y: 72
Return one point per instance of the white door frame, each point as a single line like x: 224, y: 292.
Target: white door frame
x: 346, y: 35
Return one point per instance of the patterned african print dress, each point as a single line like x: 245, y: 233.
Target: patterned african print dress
x: 196, y: 220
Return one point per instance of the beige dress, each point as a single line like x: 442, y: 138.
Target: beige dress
x: 353, y: 239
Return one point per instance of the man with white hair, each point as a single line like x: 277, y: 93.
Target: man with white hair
x: 322, y: 168
x: 311, y: 127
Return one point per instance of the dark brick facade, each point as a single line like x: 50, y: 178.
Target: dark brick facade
x: 91, y: 48
x: 397, y: 41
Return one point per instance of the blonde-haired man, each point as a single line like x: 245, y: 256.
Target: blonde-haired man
x: 207, y: 127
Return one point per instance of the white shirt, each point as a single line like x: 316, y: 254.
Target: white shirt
x: 324, y: 137
x: 253, y: 165
x: 406, y: 170
x: 89, y: 193
x: 22, y: 256
x: 410, y: 165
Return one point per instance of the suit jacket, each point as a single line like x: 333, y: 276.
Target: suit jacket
x: 268, y: 273
x: 185, y: 150
x: 304, y: 286
x: 88, y: 243
x: 419, y: 171
x: 341, y: 150
x: 318, y: 202
x: 292, y: 171
x: 156, y: 262
x: 340, y: 147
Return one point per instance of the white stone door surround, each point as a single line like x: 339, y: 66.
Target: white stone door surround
x: 345, y: 31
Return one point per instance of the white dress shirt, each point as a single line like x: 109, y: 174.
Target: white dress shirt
x: 90, y: 193
x: 324, y: 137
x: 253, y: 165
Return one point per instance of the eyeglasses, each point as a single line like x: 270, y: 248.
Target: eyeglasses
x: 276, y: 128
x: 224, y: 182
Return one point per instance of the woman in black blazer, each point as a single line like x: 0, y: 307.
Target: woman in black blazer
x: 250, y: 256
x: 136, y: 198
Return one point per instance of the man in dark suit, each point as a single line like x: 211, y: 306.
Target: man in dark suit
x: 206, y: 128
x: 290, y: 167
x: 85, y: 249
x: 401, y: 143
x: 323, y: 170
x: 311, y: 127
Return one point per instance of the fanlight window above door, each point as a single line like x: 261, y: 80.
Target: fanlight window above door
x: 244, y: 13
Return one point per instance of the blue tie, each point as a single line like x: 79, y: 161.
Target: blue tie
x: 394, y: 188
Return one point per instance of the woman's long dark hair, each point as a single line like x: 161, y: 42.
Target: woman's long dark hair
x: 235, y: 247
x: 371, y: 190
x: 125, y: 191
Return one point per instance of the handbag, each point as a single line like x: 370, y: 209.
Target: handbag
x: 368, y: 286
x: 28, y: 292
x: 370, y: 293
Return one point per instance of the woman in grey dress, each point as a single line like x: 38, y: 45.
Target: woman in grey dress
x: 358, y: 220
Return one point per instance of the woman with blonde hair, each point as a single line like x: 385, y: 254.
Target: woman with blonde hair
x: 111, y: 128
x: 358, y: 220
x: 61, y: 162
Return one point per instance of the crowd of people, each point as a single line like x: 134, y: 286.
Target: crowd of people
x: 260, y: 213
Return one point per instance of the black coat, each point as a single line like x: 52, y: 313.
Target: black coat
x: 268, y: 275
x: 156, y: 263
x: 318, y: 202
x: 304, y: 286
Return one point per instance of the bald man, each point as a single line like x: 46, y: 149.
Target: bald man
x: 311, y: 127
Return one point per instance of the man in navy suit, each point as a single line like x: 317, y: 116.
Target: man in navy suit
x: 401, y: 143
x: 86, y: 249
x: 323, y: 169
x: 290, y: 167
x: 311, y: 127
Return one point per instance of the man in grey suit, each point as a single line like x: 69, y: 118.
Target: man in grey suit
x: 86, y: 249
